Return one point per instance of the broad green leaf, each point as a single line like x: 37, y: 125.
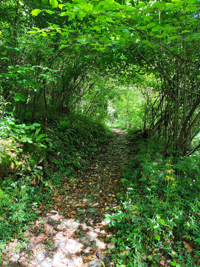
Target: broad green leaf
x: 63, y: 46
x: 142, y: 5
x: 126, y: 31
x: 32, y: 126
x: 157, y: 237
x: 19, y: 98
x: 54, y: 3
x: 96, y: 28
x: 55, y: 26
x: 49, y: 11
x: 35, y: 12
x: 173, y: 263
x: 81, y: 15
x: 185, y: 31
x: 195, y: 36
x: 159, y: 5
x: 63, y: 14
x: 151, y: 25
x: 162, y: 221
x: 179, y: 4
x: 99, y: 7
x: 192, y: 8
x: 89, y: 7
x: 109, y: 20
x: 109, y: 1
x: 61, y: 6
x: 190, y: 1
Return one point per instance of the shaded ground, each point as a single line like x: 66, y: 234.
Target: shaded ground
x: 75, y: 229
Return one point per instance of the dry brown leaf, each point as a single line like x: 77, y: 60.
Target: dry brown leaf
x: 188, y: 247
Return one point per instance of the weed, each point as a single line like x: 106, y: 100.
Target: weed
x: 158, y: 218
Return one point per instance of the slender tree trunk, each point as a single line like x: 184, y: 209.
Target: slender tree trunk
x: 45, y: 105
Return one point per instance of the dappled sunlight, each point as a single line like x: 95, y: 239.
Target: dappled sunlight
x: 75, y: 229
x: 56, y: 241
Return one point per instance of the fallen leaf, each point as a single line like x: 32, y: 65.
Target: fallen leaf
x: 188, y: 247
x: 162, y: 261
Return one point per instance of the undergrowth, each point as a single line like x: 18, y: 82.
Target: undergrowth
x: 74, y: 141
x: 158, y: 220
x: 68, y: 145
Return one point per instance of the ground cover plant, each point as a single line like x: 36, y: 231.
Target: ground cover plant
x: 158, y: 220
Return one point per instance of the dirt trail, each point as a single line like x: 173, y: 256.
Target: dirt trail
x: 75, y: 229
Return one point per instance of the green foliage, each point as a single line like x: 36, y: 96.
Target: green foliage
x: 158, y: 218
x: 19, y: 200
x: 22, y: 147
x: 135, y: 63
x: 21, y: 132
x: 74, y: 141
x: 22, y: 153
x: 126, y: 106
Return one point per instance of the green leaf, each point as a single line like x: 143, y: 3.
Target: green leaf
x: 195, y: 36
x: 19, y: 98
x: 81, y: 212
x: 35, y: 12
x: 192, y: 8
x: 173, y: 263
x: 49, y: 11
x: 109, y: 1
x: 126, y: 31
x: 151, y: 25
x: 108, y: 218
x: 61, y: 6
x: 81, y: 15
x: 114, y: 223
x: 162, y: 221
x: 63, y: 14
x: 160, y: 5
x: 32, y: 126
x: 142, y: 5
x: 157, y: 237
x: 96, y: 28
x: 185, y: 31
x: 63, y: 46
x: 54, y: 3
x: 99, y: 7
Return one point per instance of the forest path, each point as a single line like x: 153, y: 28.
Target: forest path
x: 75, y: 229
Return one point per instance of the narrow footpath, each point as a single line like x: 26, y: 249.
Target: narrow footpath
x: 75, y: 229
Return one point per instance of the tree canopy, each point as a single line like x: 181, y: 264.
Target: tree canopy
x: 70, y: 71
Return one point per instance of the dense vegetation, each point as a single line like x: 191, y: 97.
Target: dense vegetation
x: 68, y: 68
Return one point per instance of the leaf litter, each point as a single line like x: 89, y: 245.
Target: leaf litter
x: 74, y: 230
